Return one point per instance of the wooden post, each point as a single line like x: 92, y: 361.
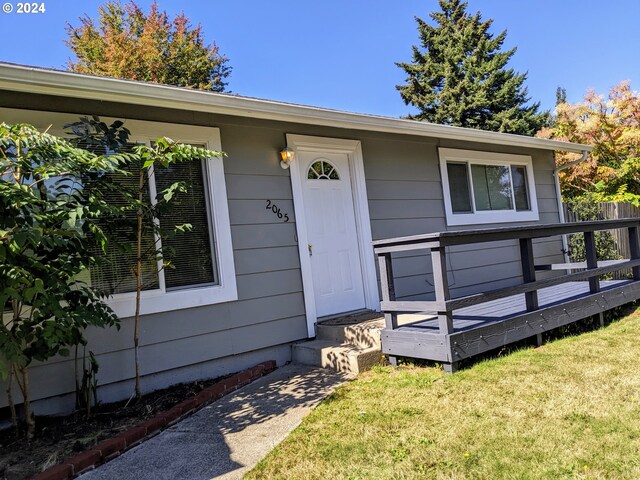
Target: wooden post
x: 441, y: 285
x: 634, y: 249
x: 528, y: 272
x: 387, y: 288
x: 388, y: 294
x: 450, y: 367
x: 592, y: 260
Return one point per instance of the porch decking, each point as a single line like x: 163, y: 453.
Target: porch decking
x: 451, y: 329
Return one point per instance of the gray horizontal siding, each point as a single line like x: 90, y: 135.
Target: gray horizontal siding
x: 397, y: 160
x: 269, y: 284
x: 546, y: 192
x: 119, y: 364
x: 263, y: 236
x: 255, y: 212
x: 392, y: 209
x: 190, y: 323
x: 257, y: 187
x: 405, y: 198
x: 266, y: 259
x: 270, y: 306
x: 406, y: 226
x: 403, y: 190
x: 256, y: 148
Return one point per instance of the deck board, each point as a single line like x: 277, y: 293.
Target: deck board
x: 501, y: 309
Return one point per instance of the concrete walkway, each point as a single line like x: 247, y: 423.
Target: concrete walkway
x: 229, y: 437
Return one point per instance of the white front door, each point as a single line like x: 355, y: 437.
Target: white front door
x: 331, y: 232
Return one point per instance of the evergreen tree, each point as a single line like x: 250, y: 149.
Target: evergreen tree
x: 459, y: 76
x: 561, y: 95
x: 127, y: 43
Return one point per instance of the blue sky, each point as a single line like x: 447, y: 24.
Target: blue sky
x: 341, y: 53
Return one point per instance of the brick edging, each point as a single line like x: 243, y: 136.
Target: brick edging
x: 111, y: 448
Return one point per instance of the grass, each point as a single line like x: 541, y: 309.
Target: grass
x: 567, y: 410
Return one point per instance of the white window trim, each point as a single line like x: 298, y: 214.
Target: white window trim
x: 487, y: 158
x: 158, y: 300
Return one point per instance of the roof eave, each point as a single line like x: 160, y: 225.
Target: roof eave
x: 66, y: 84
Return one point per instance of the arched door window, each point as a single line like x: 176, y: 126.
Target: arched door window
x: 322, y: 170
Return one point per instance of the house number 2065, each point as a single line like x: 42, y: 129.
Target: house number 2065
x: 276, y: 211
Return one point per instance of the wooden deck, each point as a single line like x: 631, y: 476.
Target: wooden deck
x: 451, y: 329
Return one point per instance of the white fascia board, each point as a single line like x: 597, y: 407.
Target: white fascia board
x: 73, y: 85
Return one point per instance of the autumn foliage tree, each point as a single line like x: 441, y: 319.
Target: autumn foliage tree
x: 612, y: 125
x: 126, y: 42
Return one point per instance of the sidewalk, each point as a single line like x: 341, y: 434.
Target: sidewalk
x: 227, y: 438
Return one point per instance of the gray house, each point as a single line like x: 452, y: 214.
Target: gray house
x: 278, y: 245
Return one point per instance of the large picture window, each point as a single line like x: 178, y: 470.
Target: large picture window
x: 203, y: 270
x: 191, y: 255
x: 484, y: 187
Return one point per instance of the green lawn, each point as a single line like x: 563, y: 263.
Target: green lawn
x: 570, y: 409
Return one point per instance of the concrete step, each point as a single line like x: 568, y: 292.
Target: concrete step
x: 362, y: 335
x: 340, y: 357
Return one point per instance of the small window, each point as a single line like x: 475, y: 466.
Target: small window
x: 519, y: 177
x: 484, y: 187
x: 322, y: 170
x: 459, y: 187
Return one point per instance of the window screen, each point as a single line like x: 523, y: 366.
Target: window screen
x: 117, y: 273
x: 190, y: 253
x: 459, y: 187
x: 495, y: 187
x: 519, y: 176
x: 491, y: 187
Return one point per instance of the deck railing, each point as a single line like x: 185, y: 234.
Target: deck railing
x: 436, y: 243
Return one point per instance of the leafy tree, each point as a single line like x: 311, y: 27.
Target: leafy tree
x: 458, y: 76
x: 612, y: 125
x: 127, y: 43
x: 134, y: 209
x: 48, y: 226
x: 586, y: 208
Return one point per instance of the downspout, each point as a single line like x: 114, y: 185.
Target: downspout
x: 565, y: 243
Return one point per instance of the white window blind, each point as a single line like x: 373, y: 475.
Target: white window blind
x: 191, y: 253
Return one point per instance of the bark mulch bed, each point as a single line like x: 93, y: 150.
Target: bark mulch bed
x: 65, y: 446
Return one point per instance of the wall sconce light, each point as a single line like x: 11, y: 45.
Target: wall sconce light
x: 287, y: 155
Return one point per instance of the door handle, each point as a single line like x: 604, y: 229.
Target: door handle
x: 310, y: 247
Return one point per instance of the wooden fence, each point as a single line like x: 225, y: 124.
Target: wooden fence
x: 613, y: 211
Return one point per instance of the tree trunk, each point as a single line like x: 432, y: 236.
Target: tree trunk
x: 22, y: 378
x: 28, y: 415
x: 12, y: 406
x: 138, y: 285
x: 75, y: 374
